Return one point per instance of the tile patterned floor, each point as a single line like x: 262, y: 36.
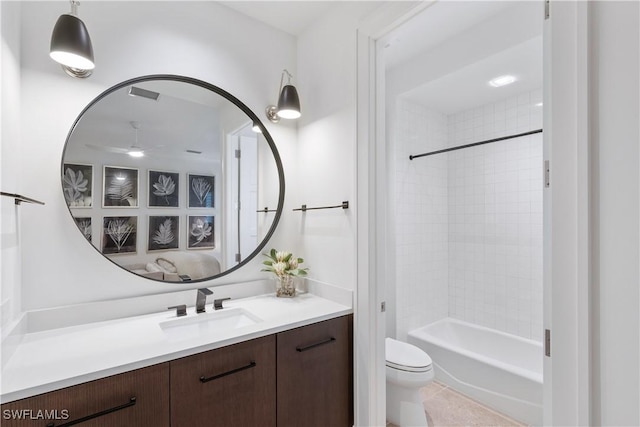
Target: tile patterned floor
x: 447, y: 407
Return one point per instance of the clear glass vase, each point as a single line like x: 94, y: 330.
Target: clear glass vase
x: 285, y: 287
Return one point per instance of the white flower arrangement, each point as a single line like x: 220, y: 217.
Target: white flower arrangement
x: 284, y: 264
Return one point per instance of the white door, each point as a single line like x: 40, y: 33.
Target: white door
x: 241, y: 236
x: 248, y: 194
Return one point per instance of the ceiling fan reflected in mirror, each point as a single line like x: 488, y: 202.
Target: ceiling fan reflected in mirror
x: 135, y: 150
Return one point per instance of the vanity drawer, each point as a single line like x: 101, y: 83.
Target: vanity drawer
x: 230, y: 386
x: 315, y: 375
x: 138, y: 398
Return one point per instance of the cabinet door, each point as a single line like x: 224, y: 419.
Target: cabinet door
x: 138, y: 398
x: 230, y: 386
x: 315, y: 375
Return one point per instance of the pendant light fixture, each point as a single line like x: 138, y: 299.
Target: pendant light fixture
x: 71, y: 45
x: 288, y: 101
x: 135, y: 150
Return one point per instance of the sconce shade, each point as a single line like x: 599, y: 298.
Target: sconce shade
x: 289, y: 103
x: 71, y: 44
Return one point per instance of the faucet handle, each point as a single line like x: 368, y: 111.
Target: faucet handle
x: 205, y: 291
x: 181, y: 310
x: 217, y: 303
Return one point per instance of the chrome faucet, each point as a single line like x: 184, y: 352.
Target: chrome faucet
x: 201, y: 299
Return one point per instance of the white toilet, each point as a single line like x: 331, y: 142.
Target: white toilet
x: 407, y: 369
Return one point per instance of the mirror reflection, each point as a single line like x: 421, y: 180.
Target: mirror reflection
x: 166, y: 178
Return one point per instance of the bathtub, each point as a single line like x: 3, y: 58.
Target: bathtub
x: 498, y: 369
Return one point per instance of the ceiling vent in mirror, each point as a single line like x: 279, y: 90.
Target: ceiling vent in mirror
x: 288, y: 101
x: 71, y: 45
x: 144, y: 93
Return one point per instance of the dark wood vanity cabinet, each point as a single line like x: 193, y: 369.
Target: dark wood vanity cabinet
x: 301, y: 377
x: 138, y: 398
x: 315, y: 375
x: 230, y: 386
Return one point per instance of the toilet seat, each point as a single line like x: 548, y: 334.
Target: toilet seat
x: 406, y: 357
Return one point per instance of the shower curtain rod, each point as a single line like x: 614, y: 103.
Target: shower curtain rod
x: 411, y: 157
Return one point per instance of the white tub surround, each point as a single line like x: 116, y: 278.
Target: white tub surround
x: 503, y: 371
x: 51, y: 359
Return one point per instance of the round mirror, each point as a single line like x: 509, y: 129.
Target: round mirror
x: 172, y: 178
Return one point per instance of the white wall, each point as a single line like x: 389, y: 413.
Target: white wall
x: 327, y: 143
x: 421, y: 217
x: 615, y: 67
x: 205, y: 41
x: 10, y: 153
x: 495, y: 217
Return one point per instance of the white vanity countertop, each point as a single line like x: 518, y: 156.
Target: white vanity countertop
x: 50, y: 360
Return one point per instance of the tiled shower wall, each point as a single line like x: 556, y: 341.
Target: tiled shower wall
x: 469, y: 223
x: 495, y: 217
x: 420, y: 218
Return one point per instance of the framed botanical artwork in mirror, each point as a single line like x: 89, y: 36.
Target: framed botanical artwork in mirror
x: 84, y: 224
x: 201, y: 191
x: 164, y: 233
x: 77, y: 185
x: 164, y: 189
x: 119, y: 234
x: 120, y: 187
x: 200, y: 232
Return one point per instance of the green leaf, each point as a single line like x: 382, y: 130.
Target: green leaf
x: 287, y: 258
x: 268, y: 262
x: 300, y: 260
x: 273, y: 254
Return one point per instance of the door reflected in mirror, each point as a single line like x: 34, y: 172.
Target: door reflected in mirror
x: 166, y: 178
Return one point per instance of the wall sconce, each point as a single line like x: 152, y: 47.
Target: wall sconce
x: 71, y: 45
x: 288, y: 102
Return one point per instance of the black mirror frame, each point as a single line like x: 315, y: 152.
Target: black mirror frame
x: 237, y: 103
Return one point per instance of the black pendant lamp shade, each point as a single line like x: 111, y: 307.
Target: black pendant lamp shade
x: 71, y: 44
x: 289, y: 103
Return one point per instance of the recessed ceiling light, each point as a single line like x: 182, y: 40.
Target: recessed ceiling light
x: 502, y: 81
x: 136, y: 153
x: 539, y: 104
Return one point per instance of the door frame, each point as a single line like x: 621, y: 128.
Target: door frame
x: 567, y: 257
x: 567, y: 216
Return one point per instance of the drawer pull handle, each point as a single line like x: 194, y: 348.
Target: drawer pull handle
x: 132, y: 401
x: 204, y: 379
x: 309, y: 347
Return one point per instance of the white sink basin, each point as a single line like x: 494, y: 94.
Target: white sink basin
x: 197, y: 325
